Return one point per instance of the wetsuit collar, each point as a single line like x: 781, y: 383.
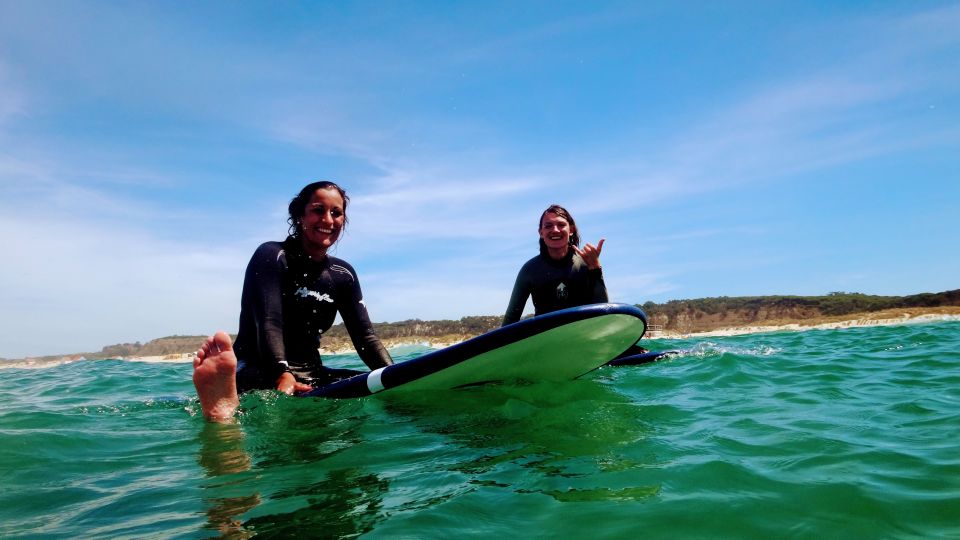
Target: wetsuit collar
x: 294, y: 249
x: 565, y: 261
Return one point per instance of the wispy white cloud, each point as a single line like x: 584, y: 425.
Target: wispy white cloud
x: 409, y: 296
x: 632, y: 287
x: 71, y: 286
x: 918, y: 33
x: 12, y: 99
x: 428, y: 207
x: 521, y: 46
x: 87, y: 264
x: 795, y: 126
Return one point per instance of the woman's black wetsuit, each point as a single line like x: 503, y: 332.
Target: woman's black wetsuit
x: 555, y: 285
x: 288, y: 302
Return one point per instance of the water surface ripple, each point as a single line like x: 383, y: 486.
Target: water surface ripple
x: 827, y: 433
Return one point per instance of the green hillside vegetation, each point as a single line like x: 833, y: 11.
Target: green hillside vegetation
x: 705, y: 314
x: 157, y: 347
x: 334, y: 339
x: 684, y: 316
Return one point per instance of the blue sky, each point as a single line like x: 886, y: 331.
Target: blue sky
x: 735, y: 148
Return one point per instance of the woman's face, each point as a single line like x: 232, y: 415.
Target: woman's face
x: 322, y: 221
x: 555, y: 231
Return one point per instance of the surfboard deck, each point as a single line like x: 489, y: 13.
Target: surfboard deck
x: 557, y: 346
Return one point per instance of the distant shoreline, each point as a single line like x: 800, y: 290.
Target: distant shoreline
x: 881, y: 318
x: 888, y: 317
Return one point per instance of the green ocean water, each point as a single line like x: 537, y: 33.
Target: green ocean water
x: 850, y: 433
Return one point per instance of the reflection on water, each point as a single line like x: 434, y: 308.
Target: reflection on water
x: 338, y: 468
x: 222, y: 449
x: 346, y: 503
x: 573, y: 437
x: 222, y: 456
x: 262, y: 469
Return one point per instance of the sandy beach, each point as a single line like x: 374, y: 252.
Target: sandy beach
x: 880, y: 318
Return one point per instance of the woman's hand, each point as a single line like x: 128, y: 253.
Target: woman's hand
x: 590, y: 254
x: 288, y: 384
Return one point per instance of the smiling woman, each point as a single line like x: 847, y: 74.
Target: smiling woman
x: 292, y: 291
x: 321, y: 217
x: 562, y: 275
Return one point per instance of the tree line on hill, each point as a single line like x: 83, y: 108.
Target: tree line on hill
x: 334, y: 339
x: 706, y: 314
x: 702, y: 314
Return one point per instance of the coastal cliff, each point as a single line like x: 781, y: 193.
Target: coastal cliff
x: 673, y: 318
x: 711, y: 314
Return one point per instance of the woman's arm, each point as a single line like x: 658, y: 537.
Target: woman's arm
x: 518, y: 300
x: 262, y: 311
x: 357, y: 321
x: 598, y: 293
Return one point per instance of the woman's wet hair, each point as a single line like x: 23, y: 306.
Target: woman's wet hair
x: 562, y: 212
x: 298, y: 206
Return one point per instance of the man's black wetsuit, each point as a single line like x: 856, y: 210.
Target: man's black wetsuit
x: 555, y: 285
x: 288, y: 302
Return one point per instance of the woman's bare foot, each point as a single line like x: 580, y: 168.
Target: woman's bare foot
x: 215, y: 377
